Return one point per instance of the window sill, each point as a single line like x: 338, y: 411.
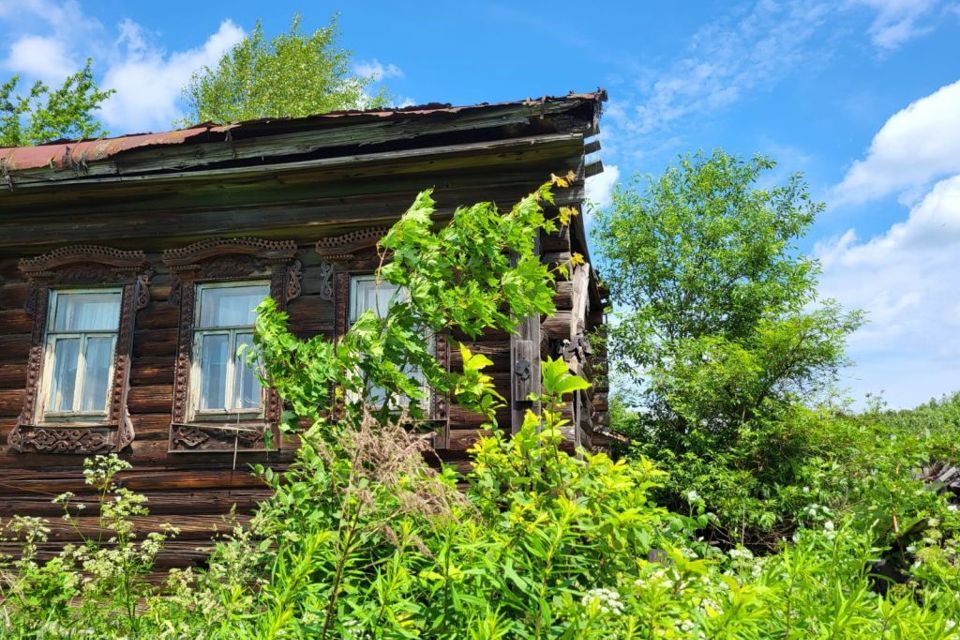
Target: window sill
x: 66, y: 423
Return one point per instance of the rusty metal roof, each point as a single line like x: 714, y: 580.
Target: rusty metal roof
x: 62, y: 154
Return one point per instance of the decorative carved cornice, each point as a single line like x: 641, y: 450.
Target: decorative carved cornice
x: 344, y: 247
x: 75, y: 440
x: 186, y: 258
x: 83, y: 254
x: 190, y: 437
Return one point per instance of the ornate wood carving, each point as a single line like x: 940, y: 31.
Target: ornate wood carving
x: 326, y: 281
x: 207, y: 438
x: 187, y: 296
x: 81, y: 265
x: 440, y: 403
x: 268, y: 250
x: 142, y: 291
x: 83, y: 254
x: 293, y: 287
x: 341, y: 300
x: 75, y: 440
x: 34, y: 360
x: 344, y: 247
x: 219, y: 260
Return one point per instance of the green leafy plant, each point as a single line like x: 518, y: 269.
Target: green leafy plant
x: 42, y: 115
x: 362, y: 538
x: 294, y: 74
x: 720, y: 339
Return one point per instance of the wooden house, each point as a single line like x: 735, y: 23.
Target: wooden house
x: 129, y: 265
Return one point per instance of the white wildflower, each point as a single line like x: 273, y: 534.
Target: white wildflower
x: 605, y: 600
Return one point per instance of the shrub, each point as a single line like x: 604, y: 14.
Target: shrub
x: 363, y: 539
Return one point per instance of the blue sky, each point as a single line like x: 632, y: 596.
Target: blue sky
x: 863, y: 96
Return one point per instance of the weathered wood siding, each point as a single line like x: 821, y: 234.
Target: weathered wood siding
x: 333, y: 184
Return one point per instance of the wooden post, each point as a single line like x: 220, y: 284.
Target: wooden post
x: 524, y: 367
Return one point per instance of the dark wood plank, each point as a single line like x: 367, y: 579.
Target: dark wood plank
x: 13, y: 295
x: 154, y: 398
x: 155, y: 342
x: 11, y: 402
x: 14, y: 347
x: 15, y: 321
x: 158, y: 315
x: 13, y: 375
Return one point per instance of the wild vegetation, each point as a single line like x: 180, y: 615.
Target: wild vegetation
x: 41, y: 115
x: 292, y: 75
x: 750, y: 504
x: 363, y: 539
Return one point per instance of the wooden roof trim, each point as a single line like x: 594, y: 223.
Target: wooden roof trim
x: 207, y: 144
x: 110, y: 176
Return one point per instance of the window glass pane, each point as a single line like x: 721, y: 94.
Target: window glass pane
x: 96, y: 378
x: 368, y: 294
x: 213, y: 371
x: 246, y: 386
x: 66, y: 354
x: 94, y: 311
x: 231, y: 306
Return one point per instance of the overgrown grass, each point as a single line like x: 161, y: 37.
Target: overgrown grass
x: 363, y: 540
x: 776, y: 534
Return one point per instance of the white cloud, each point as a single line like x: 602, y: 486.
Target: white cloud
x: 750, y: 49
x: 148, y: 80
x: 63, y: 18
x: 41, y: 57
x: 906, y: 280
x: 724, y: 61
x: 376, y: 71
x: 914, y: 147
x: 898, y: 21
x: 600, y: 187
x: 49, y: 39
x: 51, y: 56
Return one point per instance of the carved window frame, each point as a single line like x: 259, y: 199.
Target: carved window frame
x: 81, y: 267
x: 216, y: 261
x: 355, y: 254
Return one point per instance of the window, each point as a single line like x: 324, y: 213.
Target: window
x: 79, y: 350
x: 218, y: 403
x: 224, y: 385
x: 366, y: 292
x: 83, y: 300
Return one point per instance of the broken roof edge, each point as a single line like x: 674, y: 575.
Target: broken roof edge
x: 80, y: 152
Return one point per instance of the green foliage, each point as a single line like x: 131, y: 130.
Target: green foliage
x: 363, y: 539
x: 719, y: 331
x: 460, y: 279
x: 43, y: 115
x: 293, y: 75
x: 99, y: 582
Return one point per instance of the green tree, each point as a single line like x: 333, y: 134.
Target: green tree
x: 719, y: 330
x: 293, y: 75
x: 43, y: 115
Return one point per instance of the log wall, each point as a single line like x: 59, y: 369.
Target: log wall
x: 330, y: 192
